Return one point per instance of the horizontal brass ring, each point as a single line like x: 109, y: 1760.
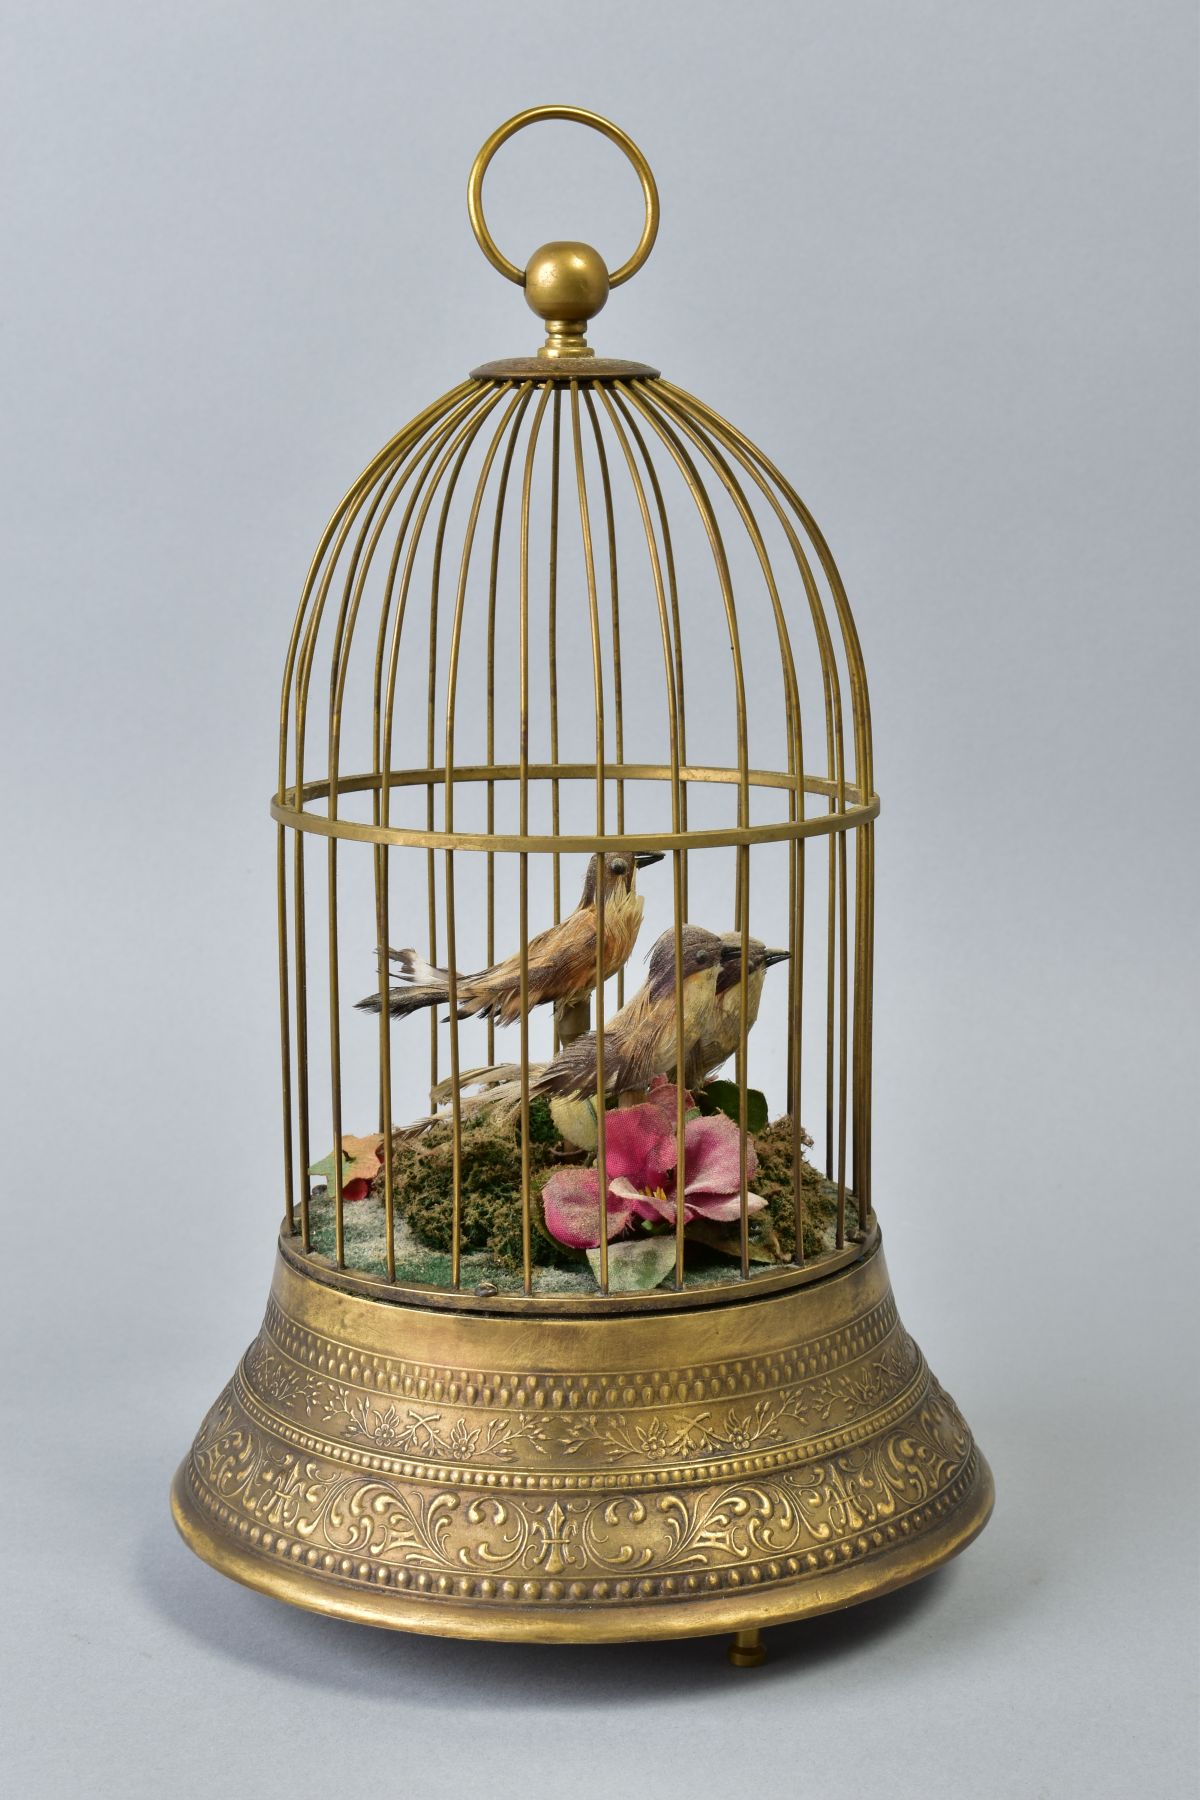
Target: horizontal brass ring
x: 785, y: 832
x: 822, y: 785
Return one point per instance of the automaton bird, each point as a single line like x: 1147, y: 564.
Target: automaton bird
x: 561, y: 959
x: 639, y: 1040
x: 722, y: 1033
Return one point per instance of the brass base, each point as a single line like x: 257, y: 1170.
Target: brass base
x: 556, y: 1479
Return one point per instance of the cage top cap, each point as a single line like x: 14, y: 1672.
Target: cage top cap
x: 566, y: 282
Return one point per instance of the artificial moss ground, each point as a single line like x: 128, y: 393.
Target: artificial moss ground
x: 491, y: 1212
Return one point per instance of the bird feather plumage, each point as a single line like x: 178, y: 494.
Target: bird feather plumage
x: 639, y: 1040
x: 561, y: 960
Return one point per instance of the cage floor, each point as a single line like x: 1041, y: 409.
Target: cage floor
x: 365, y: 1237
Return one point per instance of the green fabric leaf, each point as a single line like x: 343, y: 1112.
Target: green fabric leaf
x: 636, y: 1263
x: 724, y: 1096
x: 326, y: 1166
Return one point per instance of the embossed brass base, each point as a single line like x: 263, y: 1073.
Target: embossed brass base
x: 636, y: 1475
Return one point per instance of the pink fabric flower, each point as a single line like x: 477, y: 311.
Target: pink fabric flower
x: 640, y: 1162
x: 661, y: 1092
x: 639, y: 1144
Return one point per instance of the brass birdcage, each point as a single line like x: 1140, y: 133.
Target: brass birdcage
x: 539, y: 1362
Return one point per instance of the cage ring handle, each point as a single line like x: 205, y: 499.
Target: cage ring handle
x: 580, y: 116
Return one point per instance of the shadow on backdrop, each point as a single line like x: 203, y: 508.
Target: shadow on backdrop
x: 238, y: 1626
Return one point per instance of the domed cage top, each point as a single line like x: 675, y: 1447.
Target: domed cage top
x: 569, y: 623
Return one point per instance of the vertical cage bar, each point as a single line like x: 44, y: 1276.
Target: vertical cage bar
x: 843, y: 981
x: 796, y: 1017
x: 300, y: 975
x: 679, y: 733
x: 383, y: 938
x: 866, y: 1202
x: 383, y: 911
x: 523, y: 830
x: 831, y: 917
x: 637, y: 394
x: 552, y: 649
x: 435, y: 585
x: 791, y: 974
x: 493, y: 588
x: 426, y: 454
x: 677, y: 923
x: 857, y: 996
x: 675, y: 750
x: 335, y: 1058
x: 285, y: 1028
x: 430, y: 860
x: 526, y: 1176
x: 515, y: 409
x: 589, y: 564
x: 610, y: 531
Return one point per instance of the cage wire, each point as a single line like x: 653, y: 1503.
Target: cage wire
x: 554, y: 620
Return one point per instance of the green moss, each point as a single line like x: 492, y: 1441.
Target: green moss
x: 774, y: 1182
x: 541, y: 1123
x: 423, y: 1170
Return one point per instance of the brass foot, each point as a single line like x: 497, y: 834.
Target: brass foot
x: 746, y: 1649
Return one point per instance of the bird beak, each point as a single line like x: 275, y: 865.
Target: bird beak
x: 643, y: 858
x: 774, y: 956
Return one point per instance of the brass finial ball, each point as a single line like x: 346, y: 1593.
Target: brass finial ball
x: 566, y: 281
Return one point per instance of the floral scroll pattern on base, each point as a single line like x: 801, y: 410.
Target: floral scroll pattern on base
x: 620, y: 1504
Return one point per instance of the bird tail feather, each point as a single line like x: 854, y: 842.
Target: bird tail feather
x: 412, y: 966
x: 504, y: 1099
x: 428, y: 986
x: 490, y: 1076
x: 402, y: 1001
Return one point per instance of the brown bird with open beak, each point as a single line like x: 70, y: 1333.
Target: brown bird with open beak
x: 562, y: 959
x: 639, y: 1041
x: 722, y: 1033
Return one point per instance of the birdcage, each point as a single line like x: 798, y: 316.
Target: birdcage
x: 580, y: 1327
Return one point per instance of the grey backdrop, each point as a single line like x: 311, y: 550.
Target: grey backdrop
x: 940, y: 260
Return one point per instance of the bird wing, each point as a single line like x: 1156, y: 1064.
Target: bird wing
x: 562, y: 963
x: 632, y: 1054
